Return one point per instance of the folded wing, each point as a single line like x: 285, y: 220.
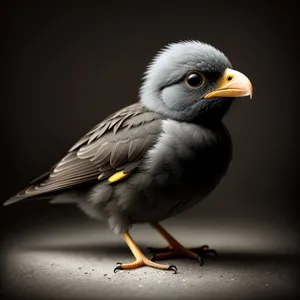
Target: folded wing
x: 118, y: 143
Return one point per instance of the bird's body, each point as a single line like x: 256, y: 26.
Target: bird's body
x: 184, y: 165
x: 159, y: 156
x: 181, y: 165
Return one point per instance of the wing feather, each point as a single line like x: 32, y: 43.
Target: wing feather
x: 117, y: 143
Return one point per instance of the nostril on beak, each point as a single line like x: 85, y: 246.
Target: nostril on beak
x: 229, y: 78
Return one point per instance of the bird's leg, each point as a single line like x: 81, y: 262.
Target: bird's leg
x: 140, y: 258
x: 175, y: 249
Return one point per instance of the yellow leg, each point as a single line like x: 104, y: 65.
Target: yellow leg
x: 175, y: 249
x: 140, y: 258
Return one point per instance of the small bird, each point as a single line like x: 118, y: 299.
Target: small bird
x: 157, y: 157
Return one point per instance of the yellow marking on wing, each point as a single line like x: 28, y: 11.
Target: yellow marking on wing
x: 117, y: 176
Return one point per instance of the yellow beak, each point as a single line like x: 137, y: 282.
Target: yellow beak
x: 232, y: 84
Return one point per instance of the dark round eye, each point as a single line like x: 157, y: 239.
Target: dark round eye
x: 194, y: 79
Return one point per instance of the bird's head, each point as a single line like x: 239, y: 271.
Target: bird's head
x: 193, y: 82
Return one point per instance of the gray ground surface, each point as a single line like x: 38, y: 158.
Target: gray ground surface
x: 77, y: 261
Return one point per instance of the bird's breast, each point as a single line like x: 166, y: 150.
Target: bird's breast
x: 189, y: 154
x: 186, y: 161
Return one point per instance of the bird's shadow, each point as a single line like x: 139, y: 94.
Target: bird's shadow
x: 225, y: 257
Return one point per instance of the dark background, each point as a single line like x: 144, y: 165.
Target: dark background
x: 66, y: 67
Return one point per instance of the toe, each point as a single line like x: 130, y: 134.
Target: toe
x: 212, y: 253
x: 205, y: 251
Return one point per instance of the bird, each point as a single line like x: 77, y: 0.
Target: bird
x: 157, y: 157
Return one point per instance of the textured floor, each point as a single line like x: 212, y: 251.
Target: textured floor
x: 77, y: 262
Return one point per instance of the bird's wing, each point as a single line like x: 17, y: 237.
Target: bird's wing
x: 117, y: 144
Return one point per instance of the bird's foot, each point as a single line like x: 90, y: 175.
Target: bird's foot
x: 178, y: 251
x: 140, y: 259
x: 144, y: 261
x: 205, y: 251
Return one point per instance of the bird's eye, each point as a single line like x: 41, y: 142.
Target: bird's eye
x: 194, y: 79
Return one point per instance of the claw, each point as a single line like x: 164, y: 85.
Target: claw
x: 119, y: 263
x: 205, y: 247
x: 200, y: 261
x: 118, y: 268
x: 173, y: 268
x: 214, y: 252
x: 205, y: 250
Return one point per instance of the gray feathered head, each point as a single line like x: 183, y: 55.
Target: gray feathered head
x: 192, y: 81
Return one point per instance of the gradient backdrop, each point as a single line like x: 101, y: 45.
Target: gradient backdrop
x: 68, y: 66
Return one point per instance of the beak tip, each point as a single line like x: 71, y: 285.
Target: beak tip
x: 251, y: 90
